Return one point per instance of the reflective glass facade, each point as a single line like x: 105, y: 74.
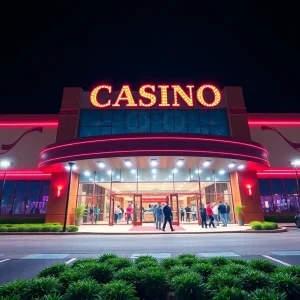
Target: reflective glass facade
x: 25, y: 196
x: 121, y: 121
x: 279, y: 195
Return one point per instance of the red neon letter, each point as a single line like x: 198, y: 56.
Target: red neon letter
x: 94, y: 94
x: 216, y: 92
x: 127, y: 97
x: 146, y: 95
x: 178, y: 90
x: 164, y: 95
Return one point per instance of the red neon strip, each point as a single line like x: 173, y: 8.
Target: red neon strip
x: 278, y: 173
x: 130, y: 151
x: 262, y: 122
x: 26, y: 175
x: 147, y: 138
x: 28, y: 124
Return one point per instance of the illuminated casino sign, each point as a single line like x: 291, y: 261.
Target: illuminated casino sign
x: 150, y: 96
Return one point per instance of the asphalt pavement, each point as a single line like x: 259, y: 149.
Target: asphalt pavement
x: 24, y: 256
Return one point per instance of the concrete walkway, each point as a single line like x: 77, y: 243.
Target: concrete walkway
x: 150, y: 229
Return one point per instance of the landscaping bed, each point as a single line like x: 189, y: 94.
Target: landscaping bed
x: 46, y: 227
x: 187, y: 277
x: 256, y: 225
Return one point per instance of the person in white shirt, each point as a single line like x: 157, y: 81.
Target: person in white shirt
x: 216, y: 214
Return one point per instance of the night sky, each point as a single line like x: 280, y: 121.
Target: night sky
x: 47, y: 48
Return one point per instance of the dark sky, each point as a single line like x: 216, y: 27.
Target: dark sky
x: 46, y: 48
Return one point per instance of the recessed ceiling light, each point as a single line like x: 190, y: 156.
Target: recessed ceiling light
x: 179, y: 162
x: 153, y: 171
x: 74, y: 167
x: 153, y: 162
x: 207, y: 178
x: 207, y: 163
x: 87, y: 173
x: 128, y: 162
x: 109, y: 172
x: 221, y: 172
x: 175, y: 171
x: 133, y: 171
x: 296, y: 163
x: 231, y: 165
x: 198, y: 171
x: 241, y: 167
x: 101, y: 164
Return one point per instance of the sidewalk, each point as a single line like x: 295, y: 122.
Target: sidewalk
x: 150, y: 229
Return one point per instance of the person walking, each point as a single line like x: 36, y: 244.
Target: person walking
x: 96, y: 213
x: 129, y: 211
x: 158, y: 216
x: 181, y: 214
x: 209, y: 213
x: 203, y: 216
x: 168, y: 216
x: 216, y: 214
x: 228, y: 209
x: 116, y: 213
x: 223, y: 213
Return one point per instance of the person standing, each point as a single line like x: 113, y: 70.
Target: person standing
x: 188, y: 213
x: 129, y: 211
x: 216, y: 214
x: 168, y: 216
x: 92, y: 214
x: 223, y: 213
x: 181, y: 214
x: 194, y: 214
x: 117, y: 212
x: 228, y: 209
x: 203, y: 216
x: 158, y: 216
x: 96, y: 213
x: 209, y: 213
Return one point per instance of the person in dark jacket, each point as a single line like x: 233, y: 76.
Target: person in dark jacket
x: 228, y: 212
x: 203, y: 216
x: 223, y: 213
x: 168, y: 216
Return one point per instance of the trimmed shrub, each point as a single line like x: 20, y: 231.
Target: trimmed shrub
x: 219, y: 261
x: 130, y: 275
x: 231, y: 294
x: 107, y: 256
x: 10, y: 298
x: 177, y: 270
x: 239, y: 261
x: 48, y: 227
x: 189, y: 261
x: 51, y: 297
x: 269, y: 225
x: 72, y: 228
x: 287, y: 283
x: 205, y: 270
x: 86, y: 289
x: 54, y: 270
x: 218, y: 281
x: 267, y: 294
x: 38, y: 287
x: 72, y: 275
x: 13, y: 288
x: 10, y: 220
x: 186, y: 255
x: 251, y: 280
x: 293, y: 270
x: 235, y: 269
x: 169, y: 263
x: 144, y: 258
x: 147, y: 264
x: 119, y: 263
x: 83, y: 262
x: 103, y: 273
x: 119, y: 290
x: 188, y: 286
x: 262, y: 265
x: 256, y: 225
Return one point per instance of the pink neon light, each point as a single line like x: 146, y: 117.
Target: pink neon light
x: 277, y: 173
x: 24, y: 174
x: 28, y: 124
x: 146, y: 138
x: 262, y: 122
x: 130, y: 151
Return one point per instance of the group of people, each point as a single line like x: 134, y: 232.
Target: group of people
x: 212, y: 212
x: 187, y: 212
x: 91, y: 212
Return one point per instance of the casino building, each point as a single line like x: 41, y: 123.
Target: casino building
x: 189, y: 144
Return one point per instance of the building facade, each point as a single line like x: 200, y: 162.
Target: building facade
x: 189, y: 145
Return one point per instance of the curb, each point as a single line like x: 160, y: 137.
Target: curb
x: 279, y: 230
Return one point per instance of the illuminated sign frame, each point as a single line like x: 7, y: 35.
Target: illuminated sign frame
x: 148, y: 96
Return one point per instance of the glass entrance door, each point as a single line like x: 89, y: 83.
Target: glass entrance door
x: 174, y: 208
x: 137, y: 210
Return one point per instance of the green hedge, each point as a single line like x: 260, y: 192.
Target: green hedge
x: 13, y: 220
x: 186, y: 277
x: 281, y: 219
x: 47, y: 227
x: 256, y: 225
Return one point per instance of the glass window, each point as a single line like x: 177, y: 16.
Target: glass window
x: 107, y: 118
x: 277, y: 186
x: 106, y: 130
x: 144, y: 121
x: 22, y: 187
x: 9, y: 187
x: 180, y: 121
x: 290, y: 186
x: 168, y: 120
x: 89, y: 131
x: 119, y: 118
x: 132, y: 121
x: 217, y: 117
x: 203, y: 117
x: 90, y: 118
x: 156, y: 121
x: 34, y: 187
x: 264, y: 186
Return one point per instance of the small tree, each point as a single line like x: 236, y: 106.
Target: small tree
x: 239, y: 211
x: 79, y: 212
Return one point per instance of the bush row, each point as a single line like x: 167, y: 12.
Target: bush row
x: 186, y: 277
x: 256, y: 225
x: 280, y: 219
x: 47, y: 227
